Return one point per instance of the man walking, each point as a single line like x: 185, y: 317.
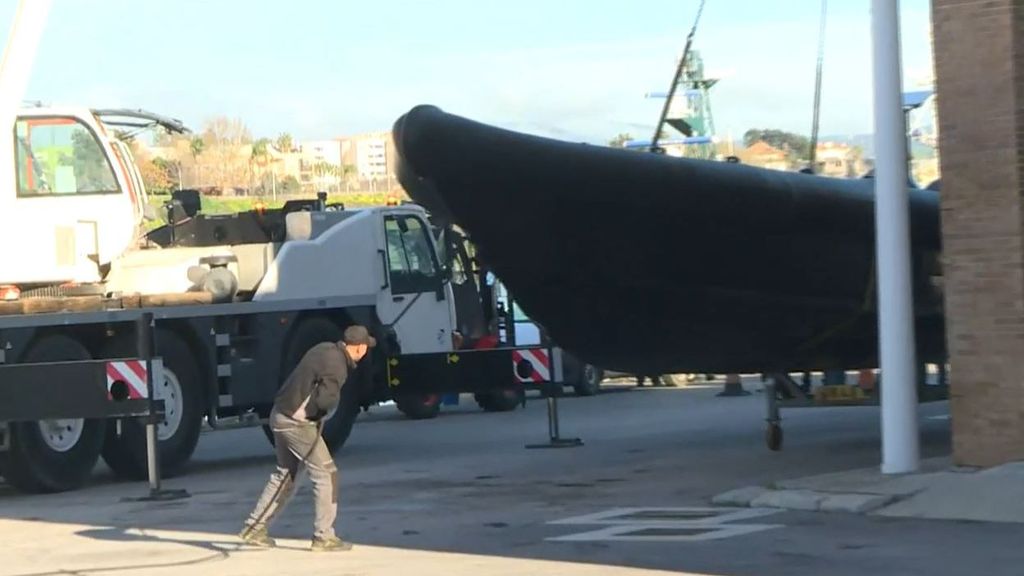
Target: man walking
x: 311, y: 391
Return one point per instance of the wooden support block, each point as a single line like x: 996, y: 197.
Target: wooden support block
x: 67, y: 304
x: 131, y: 301
x: 186, y: 299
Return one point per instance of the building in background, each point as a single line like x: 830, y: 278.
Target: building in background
x: 764, y: 155
x: 369, y: 159
x: 328, y: 151
x: 321, y: 167
x: 839, y: 160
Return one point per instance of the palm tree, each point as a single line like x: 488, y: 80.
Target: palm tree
x: 322, y: 169
x: 284, y: 142
x: 260, y: 156
x: 196, y: 147
x: 345, y: 172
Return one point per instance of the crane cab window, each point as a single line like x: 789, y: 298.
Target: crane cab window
x: 60, y: 156
x: 412, y: 264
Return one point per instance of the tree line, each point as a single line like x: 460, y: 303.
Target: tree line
x: 796, y: 147
x: 224, y: 158
x: 795, y: 144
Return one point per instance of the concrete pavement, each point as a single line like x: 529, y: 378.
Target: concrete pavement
x: 160, y: 552
x: 938, y: 491
x: 460, y: 495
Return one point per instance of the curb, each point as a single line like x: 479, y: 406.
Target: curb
x: 803, y: 500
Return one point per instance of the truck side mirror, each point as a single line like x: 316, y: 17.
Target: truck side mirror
x: 190, y: 200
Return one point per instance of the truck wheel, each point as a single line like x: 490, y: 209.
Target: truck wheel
x: 419, y: 407
x: 589, y: 383
x: 499, y: 400
x: 52, y: 455
x: 177, y: 435
x: 309, y: 333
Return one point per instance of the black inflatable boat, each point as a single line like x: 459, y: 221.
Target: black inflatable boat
x: 646, y: 263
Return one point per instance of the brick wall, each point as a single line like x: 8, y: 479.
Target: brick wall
x: 979, y: 69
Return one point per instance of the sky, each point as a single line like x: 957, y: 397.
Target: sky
x: 571, y: 69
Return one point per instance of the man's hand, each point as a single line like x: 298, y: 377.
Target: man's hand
x: 326, y: 395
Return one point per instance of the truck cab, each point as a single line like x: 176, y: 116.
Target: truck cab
x: 75, y: 199
x: 385, y: 253
x: 69, y: 205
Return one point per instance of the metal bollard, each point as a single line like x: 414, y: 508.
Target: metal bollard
x: 552, y: 417
x: 551, y: 390
x: 152, y: 457
x: 144, y: 331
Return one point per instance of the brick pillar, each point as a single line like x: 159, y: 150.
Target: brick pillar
x: 980, y: 97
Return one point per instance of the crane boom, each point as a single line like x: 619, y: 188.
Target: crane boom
x: 16, y: 67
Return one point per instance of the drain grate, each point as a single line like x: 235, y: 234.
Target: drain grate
x: 655, y: 524
x: 671, y: 531
x: 683, y: 515
x: 676, y: 516
x: 664, y: 533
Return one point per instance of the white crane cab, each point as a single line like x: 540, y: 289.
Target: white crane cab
x: 66, y: 206
x: 386, y: 252
x: 72, y: 199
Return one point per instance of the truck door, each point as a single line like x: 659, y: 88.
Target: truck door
x: 415, y: 301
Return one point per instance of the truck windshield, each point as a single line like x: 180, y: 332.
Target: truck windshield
x: 61, y: 156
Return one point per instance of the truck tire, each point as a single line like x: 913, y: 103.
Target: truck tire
x: 589, y: 382
x: 182, y: 392
x: 52, y: 455
x: 499, y: 400
x: 307, y: 334
x: 420, y: 406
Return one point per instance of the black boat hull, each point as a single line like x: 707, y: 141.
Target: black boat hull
x: 646, y: 263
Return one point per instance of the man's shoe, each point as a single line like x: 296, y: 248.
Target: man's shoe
x: 332, y: 544
x: 257, y: 536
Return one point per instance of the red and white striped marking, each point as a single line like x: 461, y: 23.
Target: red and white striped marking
x: 132, y: 373
x: 537, y: 358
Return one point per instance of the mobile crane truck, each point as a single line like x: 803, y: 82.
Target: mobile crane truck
x: 236, y: 299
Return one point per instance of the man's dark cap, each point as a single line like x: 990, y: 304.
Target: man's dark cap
x: 356, y: 335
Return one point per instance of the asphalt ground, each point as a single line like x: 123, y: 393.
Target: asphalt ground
x: 461, y: 494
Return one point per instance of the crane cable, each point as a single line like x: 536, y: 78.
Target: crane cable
x: 675, y: 79
x: 817, y: 87
x: 868, y: 302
